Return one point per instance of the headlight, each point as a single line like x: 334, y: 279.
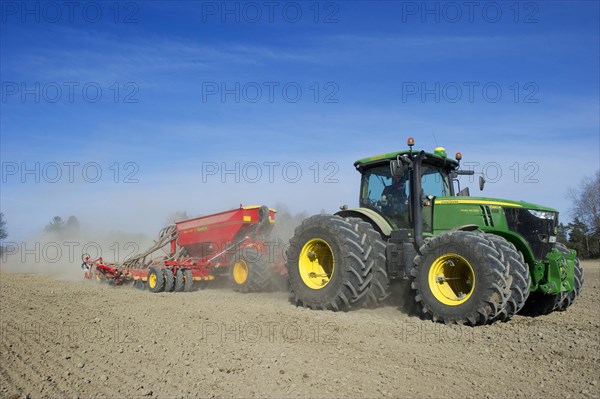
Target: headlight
x: 542, y: 214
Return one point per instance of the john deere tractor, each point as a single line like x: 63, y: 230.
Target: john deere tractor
x: 470, y: 260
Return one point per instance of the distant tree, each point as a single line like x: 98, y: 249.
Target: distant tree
x: 586, y: 201
x: 55, y: 226
x: 3, y: 233
x: 563, y: 232
x: 584, y: 231
x: 72, y: 225
x: 579, y: 238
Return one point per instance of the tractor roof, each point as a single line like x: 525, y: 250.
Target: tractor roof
x: 437, y: 158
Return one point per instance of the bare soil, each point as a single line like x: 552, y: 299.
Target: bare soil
x: 80, y: 339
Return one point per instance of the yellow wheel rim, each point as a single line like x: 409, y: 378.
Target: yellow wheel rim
x: 240, y: 272
x: 316, y: 264
x: 152, y: 280
x: 451, y: 279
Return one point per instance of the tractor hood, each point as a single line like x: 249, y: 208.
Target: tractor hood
x: 491, y: 201
x: 531, y: 228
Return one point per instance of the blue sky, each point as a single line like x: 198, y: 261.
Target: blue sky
x: 514, y: 86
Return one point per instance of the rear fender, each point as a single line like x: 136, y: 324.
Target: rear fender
x: 370, y: 216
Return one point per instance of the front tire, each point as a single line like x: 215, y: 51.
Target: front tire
x: 540, y: 304
x: 519, y: 277
x: 570, y: 297
x: 460, y: 278
x: 327, y: 264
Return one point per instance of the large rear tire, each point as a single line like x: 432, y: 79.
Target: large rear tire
x: 328, y: 265
x: 460, y: 278
x: 379, y: 289
x: 250, y: 271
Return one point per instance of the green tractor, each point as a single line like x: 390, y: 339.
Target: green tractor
x: 470, y: 260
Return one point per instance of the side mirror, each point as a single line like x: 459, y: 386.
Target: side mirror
x: 481, y: 183
x: 396, y: 168
x: 463, y: 172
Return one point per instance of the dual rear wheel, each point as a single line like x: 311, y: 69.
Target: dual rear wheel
x: 336, y: 263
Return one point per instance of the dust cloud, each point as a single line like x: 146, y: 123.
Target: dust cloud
x: 286, y: 223
x: 59, y: 253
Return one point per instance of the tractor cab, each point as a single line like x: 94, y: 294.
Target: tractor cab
x: 388, y: 182
x: 390, y: 195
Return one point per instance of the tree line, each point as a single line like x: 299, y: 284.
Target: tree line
x: 58, y: 225
x: 583, y: 233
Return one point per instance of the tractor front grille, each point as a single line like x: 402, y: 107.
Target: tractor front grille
x: 536, y: 231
